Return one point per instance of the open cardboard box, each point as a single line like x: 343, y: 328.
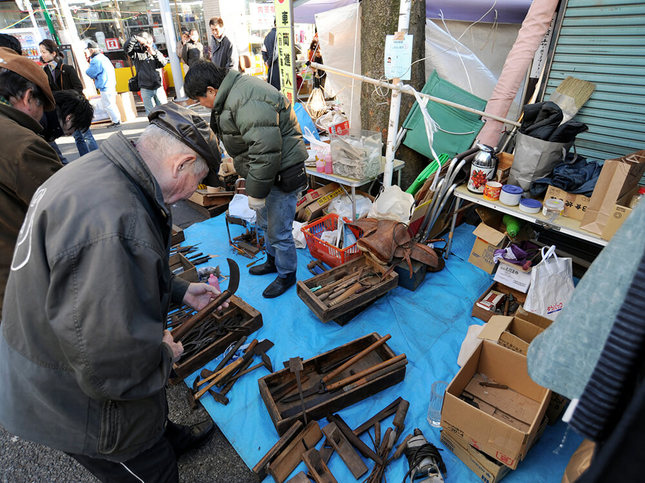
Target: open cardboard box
x: 507, y: 421
x: 484, y: 314
x: 515, y: 333
x: 491, y: 235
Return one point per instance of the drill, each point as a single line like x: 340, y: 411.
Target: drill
x: 424, y: 459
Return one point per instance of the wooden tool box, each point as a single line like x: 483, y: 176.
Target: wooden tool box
x: 281, y: 384
x: 325, y: 310
x: 250, y: 321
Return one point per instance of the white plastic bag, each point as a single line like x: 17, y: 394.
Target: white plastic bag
x: 298, y: 235
x: 239, y: 208
x: 551, y: 285
x: 320, y: 149
x: 392, y: 204
x: 342, y: 206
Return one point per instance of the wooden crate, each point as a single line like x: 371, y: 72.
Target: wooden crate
x: 318, y: 405
x: 359, y: 301
x: 251, y: 321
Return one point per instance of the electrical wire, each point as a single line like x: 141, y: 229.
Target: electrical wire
x: 426, y: 450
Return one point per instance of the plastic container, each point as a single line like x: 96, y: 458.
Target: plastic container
x: 512, y: 224
x: 552, y: 208
x: 528, y: 205
x: 510, y: 195
x: 324, y: 251
x: 492, y: 190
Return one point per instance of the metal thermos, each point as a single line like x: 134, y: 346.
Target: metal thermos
x: 482, y: 168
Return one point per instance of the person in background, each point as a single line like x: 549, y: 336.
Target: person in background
x: 102, y: 72
x: 261, y: 133
x: 222, y: 52
x: 84, y: 354
x: 185, y: 37
x: 26, y: 160
x: 270, y: 57
x: 73, y: 113
x: 10, y: 42
x: 147, y: 60
x: 193, y: 50
x: 61, y: 77
x: 314, y: 55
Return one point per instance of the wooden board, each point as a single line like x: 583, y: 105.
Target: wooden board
x: 326, y: 312
x: 282, y: 466
x: 318, y: 366
x: 251, y: 321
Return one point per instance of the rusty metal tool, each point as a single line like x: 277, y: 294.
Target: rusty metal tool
x: 233, y: 283
x: 322, y: 383
x: 295, y: 366
x: 247, y: 359
x: 206, y: 373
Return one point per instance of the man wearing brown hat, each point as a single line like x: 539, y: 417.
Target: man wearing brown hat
x: 26, y: 160
x: 84, y: 357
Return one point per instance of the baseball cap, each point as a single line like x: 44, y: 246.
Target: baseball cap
x: 31, y: 71
x: 92, y: 45
x: 191, y: 130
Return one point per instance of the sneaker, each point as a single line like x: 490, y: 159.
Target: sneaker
x: 279, y: 286
x: 114, y: 124
x: 266, y: 267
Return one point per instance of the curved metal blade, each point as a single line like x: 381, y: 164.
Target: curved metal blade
x: 234, y: 276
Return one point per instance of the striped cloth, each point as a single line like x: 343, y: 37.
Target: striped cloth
x: 612, y: 383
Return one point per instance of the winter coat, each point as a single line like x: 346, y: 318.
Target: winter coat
x: 26, y: 161
x: 102, y: 72
x: 82, y: 362
x: 146, y: 64
x: 63, y: 77
x: 259, y: 130
x: 270, y: 57
x: 192, y: 52
x: 223, y: 53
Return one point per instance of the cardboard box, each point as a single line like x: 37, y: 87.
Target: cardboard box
x: 575, y: 206
x: 126, y: 106
x: 315, y: 209
x: 516, y: 332
x: 513, y: 276
x: 507, y: 421
x: 486, y: 468
x: 505, y: 161
x: 485, y: 315
x: 488, y: 240
x: 188, y: 271
x: 211, y: 196
x: 311, y: 196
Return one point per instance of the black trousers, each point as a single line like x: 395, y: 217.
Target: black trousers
x: 157, y: 464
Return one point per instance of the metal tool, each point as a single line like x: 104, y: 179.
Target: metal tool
x: 233, y: 283
x: 295, y: 366
x: 424, y: 460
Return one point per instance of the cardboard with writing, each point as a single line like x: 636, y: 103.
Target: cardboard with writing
x: 315, y: 209
x: 575, y: 206
x: 485, y: 467
x: 484, y: 314
x: 513, y: 276
x: 489, y: 432
x: 615, y: 221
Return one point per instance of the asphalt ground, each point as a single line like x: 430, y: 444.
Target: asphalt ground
x: 216, y: 461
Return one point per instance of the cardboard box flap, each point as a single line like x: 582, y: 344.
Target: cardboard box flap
x: 534, y: 319
x: 489, y: 234
x: 494, y: 327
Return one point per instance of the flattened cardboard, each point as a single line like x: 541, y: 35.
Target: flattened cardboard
x: 485, y: 467
x: 513, y: 276
x: 498, y: 439
x: 575, y: 206
x: 616, y: 219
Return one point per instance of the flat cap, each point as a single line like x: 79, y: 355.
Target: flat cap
x: 31, y: 71
x: 92, y: 45
x: 191, y: 130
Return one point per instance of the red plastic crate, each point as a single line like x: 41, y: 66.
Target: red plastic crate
x: 322, y: 250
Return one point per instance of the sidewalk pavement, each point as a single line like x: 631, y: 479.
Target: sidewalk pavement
x: 215, y: 462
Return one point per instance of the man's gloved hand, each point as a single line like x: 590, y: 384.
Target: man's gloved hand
x: 256, y: 203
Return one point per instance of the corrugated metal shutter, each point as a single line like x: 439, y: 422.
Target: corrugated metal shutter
x: 603, y: 41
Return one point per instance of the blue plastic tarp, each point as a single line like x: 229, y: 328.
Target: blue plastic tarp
x: 428, y: 325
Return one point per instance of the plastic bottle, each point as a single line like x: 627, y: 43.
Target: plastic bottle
x: 512, y: 224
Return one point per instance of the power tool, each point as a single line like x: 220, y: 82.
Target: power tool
x: 424, y: 460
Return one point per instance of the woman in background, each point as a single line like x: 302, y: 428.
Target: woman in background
x: 61, y: 77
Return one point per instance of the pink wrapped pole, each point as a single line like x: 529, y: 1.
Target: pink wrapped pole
x: 517, y: 63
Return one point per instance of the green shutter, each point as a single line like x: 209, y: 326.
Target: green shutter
x: 603, y: 41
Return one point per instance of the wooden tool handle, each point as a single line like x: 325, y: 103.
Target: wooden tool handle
x: 183, y: 329
x: 356, y: 358
x: 346, y: 294
x: 366, y: 372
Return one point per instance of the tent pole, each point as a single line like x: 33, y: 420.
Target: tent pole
x: 404, y: 90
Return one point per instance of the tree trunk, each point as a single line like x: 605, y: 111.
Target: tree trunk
x: 378, y: 19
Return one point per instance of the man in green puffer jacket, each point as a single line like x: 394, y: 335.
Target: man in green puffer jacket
x: 261, y: 133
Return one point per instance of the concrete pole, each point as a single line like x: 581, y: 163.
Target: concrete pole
x: 395, y: 102
x: 171, y: 44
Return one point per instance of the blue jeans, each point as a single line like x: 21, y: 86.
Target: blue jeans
x: 85, y: 141
x: 62, y: 158
x: 147, y: 96
x: 276, y: 219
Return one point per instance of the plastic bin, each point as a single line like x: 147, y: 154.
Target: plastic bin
x: 322, y: 250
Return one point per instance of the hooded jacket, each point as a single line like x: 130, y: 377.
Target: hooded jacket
x: 146, y: 64
x: 82, y: 363
x: 102, y: 72
x: 26, y: 161
x: 259, y: 129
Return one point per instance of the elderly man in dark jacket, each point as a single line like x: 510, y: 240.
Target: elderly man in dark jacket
x: 261, y: 133
x: 26, y: 160
x: 147, y: 59
x: 84, y: 357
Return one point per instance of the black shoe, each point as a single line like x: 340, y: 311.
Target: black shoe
x: 266, y: 267
x: 184, y: 438
x: 279, y: 286
x: 114, y: 124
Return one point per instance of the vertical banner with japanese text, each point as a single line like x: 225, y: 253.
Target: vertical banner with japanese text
x: 286, y: 51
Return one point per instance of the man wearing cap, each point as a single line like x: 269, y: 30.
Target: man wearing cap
x: 84, y: 357
x: 26, y: 160
x: 101, y: 71
x: 261, y: 133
